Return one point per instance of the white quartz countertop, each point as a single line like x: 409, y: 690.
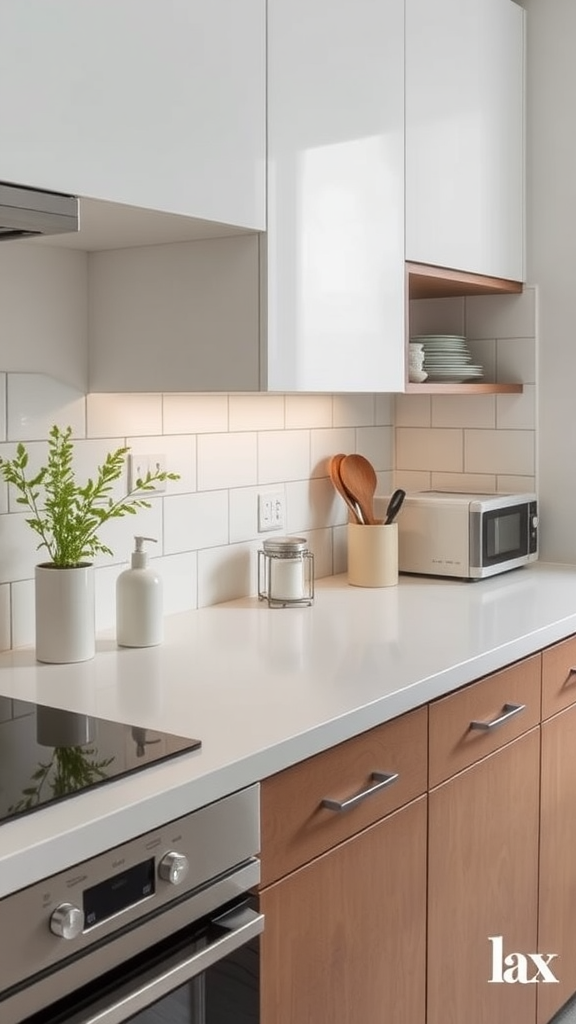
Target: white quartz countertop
x: 264, y: 688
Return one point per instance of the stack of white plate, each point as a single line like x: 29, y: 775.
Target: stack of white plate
x: 447, y: 359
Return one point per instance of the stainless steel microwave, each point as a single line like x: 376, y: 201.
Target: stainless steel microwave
x: 471, y: 536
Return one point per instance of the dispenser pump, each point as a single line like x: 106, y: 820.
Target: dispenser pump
x: 139, y: 601
x: 139, y: 555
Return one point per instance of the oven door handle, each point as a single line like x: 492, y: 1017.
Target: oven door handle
x: 242, y: 925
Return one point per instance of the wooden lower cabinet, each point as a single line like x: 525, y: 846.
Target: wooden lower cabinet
x: 344, y: 940
x: 482, y: 882
x: 557, y: 915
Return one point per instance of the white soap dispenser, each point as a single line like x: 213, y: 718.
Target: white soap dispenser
x: 139, y: 620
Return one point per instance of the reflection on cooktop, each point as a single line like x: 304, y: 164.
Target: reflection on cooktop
x: 47, y: 754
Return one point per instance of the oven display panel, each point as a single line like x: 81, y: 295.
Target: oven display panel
x: 118, y: 892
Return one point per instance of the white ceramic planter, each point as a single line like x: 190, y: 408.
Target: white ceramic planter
x: 65, y: 622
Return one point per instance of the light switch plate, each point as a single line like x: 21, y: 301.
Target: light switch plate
x: 270, y: 511
x: 140, y: 465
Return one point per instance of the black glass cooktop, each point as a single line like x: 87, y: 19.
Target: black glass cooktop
x: 47, y: 754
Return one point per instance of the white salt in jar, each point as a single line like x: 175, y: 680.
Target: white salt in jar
x: 286, y: 572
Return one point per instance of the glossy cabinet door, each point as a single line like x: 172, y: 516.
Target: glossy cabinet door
x: 465, y: 135
x: 151, y: 103
x: 334, y: 278
x: 482, y: 883
x: 345, y: 935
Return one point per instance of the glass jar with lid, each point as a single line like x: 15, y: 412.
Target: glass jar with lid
x: 286, y: 572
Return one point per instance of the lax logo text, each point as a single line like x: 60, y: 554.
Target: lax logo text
x: 515, y: 967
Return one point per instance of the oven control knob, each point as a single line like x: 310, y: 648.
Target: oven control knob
x: 173, y: 867
x: 67, y: 921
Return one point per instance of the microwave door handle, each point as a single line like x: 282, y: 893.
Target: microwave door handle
x: 243, y: 924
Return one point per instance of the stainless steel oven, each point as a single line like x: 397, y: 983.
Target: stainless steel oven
x: 159, y: 930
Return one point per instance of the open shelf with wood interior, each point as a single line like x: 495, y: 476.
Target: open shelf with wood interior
x: 426, y: 282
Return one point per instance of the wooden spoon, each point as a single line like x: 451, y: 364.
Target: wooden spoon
x: 334, y: 470
x: 360, y: 480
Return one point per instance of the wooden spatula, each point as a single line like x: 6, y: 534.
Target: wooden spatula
x: 359, y: 478
x: 334, y: 470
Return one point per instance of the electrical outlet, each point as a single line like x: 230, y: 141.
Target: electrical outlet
x: 270, y: 511
x: 140, y: 465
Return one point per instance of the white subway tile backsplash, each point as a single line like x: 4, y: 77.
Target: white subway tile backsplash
x: 179, y: 453
x: 385, y: 483
x: 123, y: 415
x: 23, y: 615
x: 501, y: 316
x: 517, y: 412
x: 516, y: 360
x: 311, y: 505
x: 3, y: 491
x: 413, y: 411
x: 193, y: 521
x: 420, y: 449
x: 308, y: 411
x: 320, y: 544
x: 36, y: 402
x: 105, y: 593
x: 515, y: 484
x: 229, y: 448
x: 437, y: 316
x: 464, y: 411
x: 483, y: 354
x: 384, y: 410
x: 283, y: 455
x: 179, y: 574
x: 18, y: 548
x: 243, y: 505
x: 4, y: 617
x: 195, y: 414
x: 377, y: 445
x: 412, y: 480
x: 499, y: 451
x: 225, y: 573
x: 256, y: 412
x: 476, y: 482
x: 37, y: 452
x: 88, y: 455
x: 340, y: 549
x: 353, y: 410
x: 227, y: 460
x: 118, y: 534
x: 338, y: 514
x: 325, y: 443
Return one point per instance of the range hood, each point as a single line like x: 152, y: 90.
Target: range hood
x: 27, y: 212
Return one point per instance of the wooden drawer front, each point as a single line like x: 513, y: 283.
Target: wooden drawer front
x: 558, y: 677
x: 455, y: 743
x: 297, y: 827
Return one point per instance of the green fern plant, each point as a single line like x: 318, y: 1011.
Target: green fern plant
x: 65, y: 514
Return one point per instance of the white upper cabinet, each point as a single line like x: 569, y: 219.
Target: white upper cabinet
x: 335, y: 242
x: 152, y: 103
x: 464, y: 135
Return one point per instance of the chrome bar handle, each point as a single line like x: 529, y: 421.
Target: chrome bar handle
x: 381, y: 780
x: 509, y: 711
x: 241, y: 925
